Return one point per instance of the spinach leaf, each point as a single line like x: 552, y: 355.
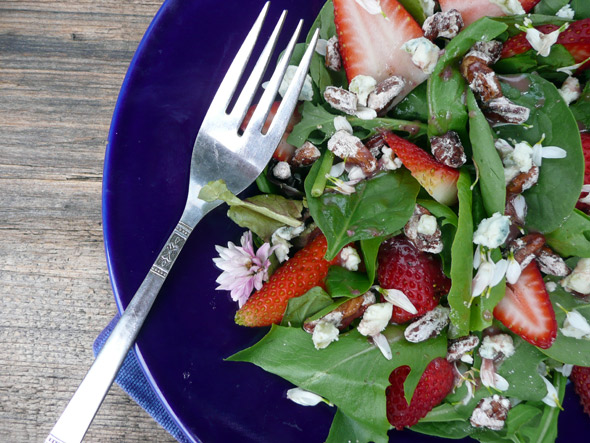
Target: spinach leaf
x: 518, y: 417
x: 345, y: 428
x: 341, y: 282
x: 414, y: 106
x: 554, y: 197
x: 568, y: 350
x: 582, y: 8
x: 370, y: 250
x: 416, y: 9
x: 462, y: 259
x: 550, y: 7
x: 544, y: 430
x: 529, y: 61
x: 446, y: 86
x: 378, y: 207
x: 482, y: 309
x: 581, y: 108
x: 317, y: 126
x: 520, y: 371
x: 301, y: 308
x: 334, y: 372
x: 439, y: 210
x: 491, y: 171
x: 573, y: 237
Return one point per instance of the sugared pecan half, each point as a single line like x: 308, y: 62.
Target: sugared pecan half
x: 341, y: 99
x: 307, y: 154
x: 448, y: 149
x: 443, y: 24
x: 503, y: 110
x: 384, y: 93
x: 350, y: 148
x: 491, y: 413
x: 333, y: 58
x: 551, y: 263
x: 524, y: 181
x: 526, y: 248
x: 427, y: 326
x: 343, y: 315
x: 461, y: 346
x: 424, y: 232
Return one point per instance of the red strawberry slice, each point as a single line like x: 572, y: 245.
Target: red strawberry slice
x: 436, y: 383
x: 576, y: 39
x: 306, y: 269
x: 580, y: 376
x: 439, y: 180
x: 284, y: 150
x: 371, y: 44
x: 585, y: 136
x: 417, y: 274
x: 473, y: 10
x: 526, y: 309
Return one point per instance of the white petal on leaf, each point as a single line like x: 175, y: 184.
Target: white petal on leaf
x: 303, y: 397
x: 381, y: 342
x: 321, y: 46
x: 551, y: 399
x: 341, y: 123
x: 499, y: 272
x: 513, y: 271
x: 399, y: 299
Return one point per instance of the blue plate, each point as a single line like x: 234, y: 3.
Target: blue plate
x: 190, y: 332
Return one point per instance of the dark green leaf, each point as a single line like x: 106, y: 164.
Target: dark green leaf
x: 462, y: 259
x: 582, y: 9
x: 346, y: 429
x: 519, y: 416
x: 334, y: 372
x: 572, y: 238
x: 379, y: 207
x: 581, y: 108
x: 550, y: 7
x: 370, y: 249
x: 554, y: 197
x: 301, y: 308
x: 529, y: 61
x: 414, y: 106
x: 483, y: 307
x: 440, y: 211
x: 415, y: 8
x: 491, y: 171
x: 341, y: 282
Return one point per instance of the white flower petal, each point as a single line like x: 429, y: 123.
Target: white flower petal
x: 399, y: 299
x: 553, y: 152
x: 575, y: 325
x: 551, y: 399
x: 499, y: 272
x: 321, y: 46
x: 477, y: 257
x: 500, y: 383
x: 537, y: 155
x: 365, y: 113
x: 303, y: 397
x: 341, y: 123
x: 565, y: 370
x: 371, y: 6
x: 381, y: 342
x: 513, y: 272
x: 482, y: 279
x: 487, y: 372
x: 338, y: 169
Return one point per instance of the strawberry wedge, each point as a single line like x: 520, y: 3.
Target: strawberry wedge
x: 576, y: 39
x: 526, y: 309
x: 370, y: 44
x: 439, y: 180
x: 473, y: 10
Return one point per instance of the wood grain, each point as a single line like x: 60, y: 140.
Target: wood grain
x: 61, y: 66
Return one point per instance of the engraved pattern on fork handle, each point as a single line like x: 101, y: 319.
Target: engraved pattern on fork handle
x: 171, y: 249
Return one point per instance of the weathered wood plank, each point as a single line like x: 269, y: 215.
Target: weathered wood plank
x: 61, y: 67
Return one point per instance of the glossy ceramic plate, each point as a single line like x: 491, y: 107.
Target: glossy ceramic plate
x: 182, y: 346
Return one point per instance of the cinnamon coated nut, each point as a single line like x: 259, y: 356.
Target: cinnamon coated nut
x: 448, y: 149
x: 422, y: 230
x: 526, y: 248
x: 333, y: 58
x: 350, y: 148
x: 524, y: 180
x: 443, y: 24
x: 503, y: 110
x: 385, y: 91
x: 461, y: 346
x: 551, y: 263
x: 343, y: 315
x: 306, y: 155
x: 341, y: 99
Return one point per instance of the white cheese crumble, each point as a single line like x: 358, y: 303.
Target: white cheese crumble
x: 570, y: 91
x: 324, y: 333
x: 282, y: 170
x: 551, y: 286
x: 579, y: 279
x: 509, y: 7
x: 424, y: 53
x: 350, y: 258
x: 494, y: 345
x: 375, y: 319
x: 427, y: 7
x: 493, y: 231
x: 306, y: 93
x: 388, y: 162
x: 427, y: 224
x: 362, y: 86
x: 566, y: 12
x: 575, y: 325
x: 280, y: 240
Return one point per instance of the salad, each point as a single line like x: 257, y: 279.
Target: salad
x: 420, y: 242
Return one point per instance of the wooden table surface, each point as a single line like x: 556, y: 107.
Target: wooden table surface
x: 62, y: 63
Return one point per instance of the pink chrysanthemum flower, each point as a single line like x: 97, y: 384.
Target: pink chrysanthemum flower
x: 243, y: 269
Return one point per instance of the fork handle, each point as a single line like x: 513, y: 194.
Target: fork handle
x: 80, y: 411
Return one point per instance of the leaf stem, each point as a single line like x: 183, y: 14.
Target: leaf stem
x: 320, y: 181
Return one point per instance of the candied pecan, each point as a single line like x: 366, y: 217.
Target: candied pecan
x: 343, y: 315
x: 491, y: 413
x: 385, y: 91
x: 488, y: 52
x: 427, y: 326
x: 375, y: 143
x: 424, y: 232
x: 305, y: 155
x: 448, y: 149
x: 551, y: 263
x: 524, y: 181
x: 481, y: 79
x: 525, y: 248
x: 341, y: 99
x: 350, y: 148
x: 461, y: 346
x: 503, y: 110
x: 333, y: 59
x: 443, y: 24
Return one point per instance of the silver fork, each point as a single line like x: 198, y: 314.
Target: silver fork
x: 219, y: 152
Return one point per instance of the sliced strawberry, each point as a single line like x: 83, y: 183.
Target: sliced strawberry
x: 526, y: 309
x: 436, y: 383
x: 417, y: 274
x: 306, y: 269
x: 439, y: 180
x: 585, y: 136
x: 576, y: 39
x: 473, y: 10
x: 580, y: 376
x: 284, y: 150
x: 371, y: 44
